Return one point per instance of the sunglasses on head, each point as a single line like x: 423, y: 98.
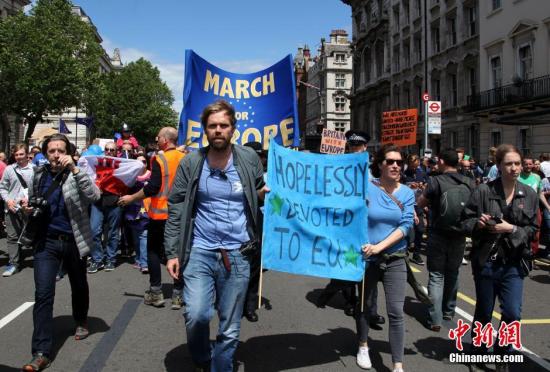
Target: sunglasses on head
x: 394, y: 161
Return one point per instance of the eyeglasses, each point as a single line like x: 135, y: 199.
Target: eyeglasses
x: 394, y: 161
x: 107, y: 149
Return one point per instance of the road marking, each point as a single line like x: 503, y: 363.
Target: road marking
x: 14, y: 314
x: 534, y: 357
x: 97, y: 360
x: 496, y: 314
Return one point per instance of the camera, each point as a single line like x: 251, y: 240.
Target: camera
x: 494, y: 221
x: 28, y: 234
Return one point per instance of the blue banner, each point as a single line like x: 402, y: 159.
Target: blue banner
x: 264, y: 101
x: 315, y: 217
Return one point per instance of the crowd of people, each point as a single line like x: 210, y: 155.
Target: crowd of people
x: 206, y: 206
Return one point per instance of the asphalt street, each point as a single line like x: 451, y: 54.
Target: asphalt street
x: 292, y: 334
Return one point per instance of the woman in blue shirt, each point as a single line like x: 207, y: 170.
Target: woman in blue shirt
x: 391, y: 212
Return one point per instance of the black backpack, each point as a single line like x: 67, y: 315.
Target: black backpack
x: 454, y: 192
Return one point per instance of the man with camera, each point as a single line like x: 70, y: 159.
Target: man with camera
x: 212, y: 227
x: 14, y: 187
x: 59, y: 229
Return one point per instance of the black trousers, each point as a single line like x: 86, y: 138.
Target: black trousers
x: 156, y: 255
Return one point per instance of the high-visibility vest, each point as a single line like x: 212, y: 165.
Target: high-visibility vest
x: 168, y: 162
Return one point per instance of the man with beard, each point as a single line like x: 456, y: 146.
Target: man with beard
x: 213, y: 215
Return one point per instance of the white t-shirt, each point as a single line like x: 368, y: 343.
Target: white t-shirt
x: 545, y: 168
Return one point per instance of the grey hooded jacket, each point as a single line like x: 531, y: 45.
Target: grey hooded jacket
x: 79, y: 191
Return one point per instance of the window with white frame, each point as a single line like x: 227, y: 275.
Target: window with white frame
x: 340, y: 126
x: 496, y: 72
x: 340, y: 80
x: 525, y: 59
x: 339, y: 57
x: 339, y: 104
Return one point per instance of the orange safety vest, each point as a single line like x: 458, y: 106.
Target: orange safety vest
x: 168, y: 161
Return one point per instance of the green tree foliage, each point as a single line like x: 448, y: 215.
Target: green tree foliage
x: 49, y: 61
x: 135, y: 95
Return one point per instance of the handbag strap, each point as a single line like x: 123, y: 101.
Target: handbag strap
x: 395, y: 200
x: 21, y: 179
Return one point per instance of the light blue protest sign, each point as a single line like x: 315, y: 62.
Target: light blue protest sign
x: 264, y: 101
x: 315, y: 218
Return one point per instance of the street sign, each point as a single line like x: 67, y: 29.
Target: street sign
x: 425, y: 97
x: 434, y: 117
x: 434, y: 107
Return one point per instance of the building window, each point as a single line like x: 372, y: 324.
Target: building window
x: 340, y: 126
x: 366, y: 64
x: 451, y: 29
x: 396, y: 59
x: 524, y: 141
x: 435, y: 40
x: 379, y: 52
x: 340, y: 104
x: 407, y: 96
x: 496, y: 72
x: 453, y: 90
x: 472, y: 21
x: 472, y: 77
x: 396, y: 98
x: 453, y: 139
x: 496, y: 4
x: 406, y: 14
x: 418, y: 8
x: 340, y: 80
x: 417, y: 98
x: 436, y: 89
x: 339, y: 58
x: 525, y: 62
x: 496, y: 139
x: 418, y: 49
x: 396, y: 18
x: 368, y: 12
x: 406, y: 53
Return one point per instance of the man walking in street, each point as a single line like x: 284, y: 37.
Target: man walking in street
x: 14, y: 186
x: 162, y: 177
x: 213, y: 215
x: 105, y: 212
x: 62, y: 235
x: 447, y: 195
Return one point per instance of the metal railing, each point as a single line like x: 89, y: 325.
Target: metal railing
x: 519, y: 92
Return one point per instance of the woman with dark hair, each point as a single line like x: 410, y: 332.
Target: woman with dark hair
x: 391, y: 210
x: 501, y: 218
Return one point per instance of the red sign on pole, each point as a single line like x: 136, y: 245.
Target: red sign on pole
x: 425, y: 97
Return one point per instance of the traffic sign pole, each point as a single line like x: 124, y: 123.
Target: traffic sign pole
x: 425, y: 126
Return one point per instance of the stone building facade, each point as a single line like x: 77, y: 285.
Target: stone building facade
x: 403, y: 48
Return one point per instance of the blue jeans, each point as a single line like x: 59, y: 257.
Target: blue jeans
x: 505, y: 281
x: 206, y: 280
x: 444, y: 257
x: 139, y: 238
x: 48, y: 256
x: 111, y: 216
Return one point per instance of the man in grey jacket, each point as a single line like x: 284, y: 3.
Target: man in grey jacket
x: 14, y: 188
x: 213, y: 211
x: 62, y: 235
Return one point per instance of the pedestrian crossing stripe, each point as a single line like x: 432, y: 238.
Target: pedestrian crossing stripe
x: 496, y: 315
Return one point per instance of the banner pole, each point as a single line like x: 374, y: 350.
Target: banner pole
x: 260, y: 285
x: 363, y: 292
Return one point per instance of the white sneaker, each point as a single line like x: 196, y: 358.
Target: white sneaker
x: 363, y: 358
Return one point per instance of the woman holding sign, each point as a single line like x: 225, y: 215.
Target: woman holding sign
x: 391, y: 211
